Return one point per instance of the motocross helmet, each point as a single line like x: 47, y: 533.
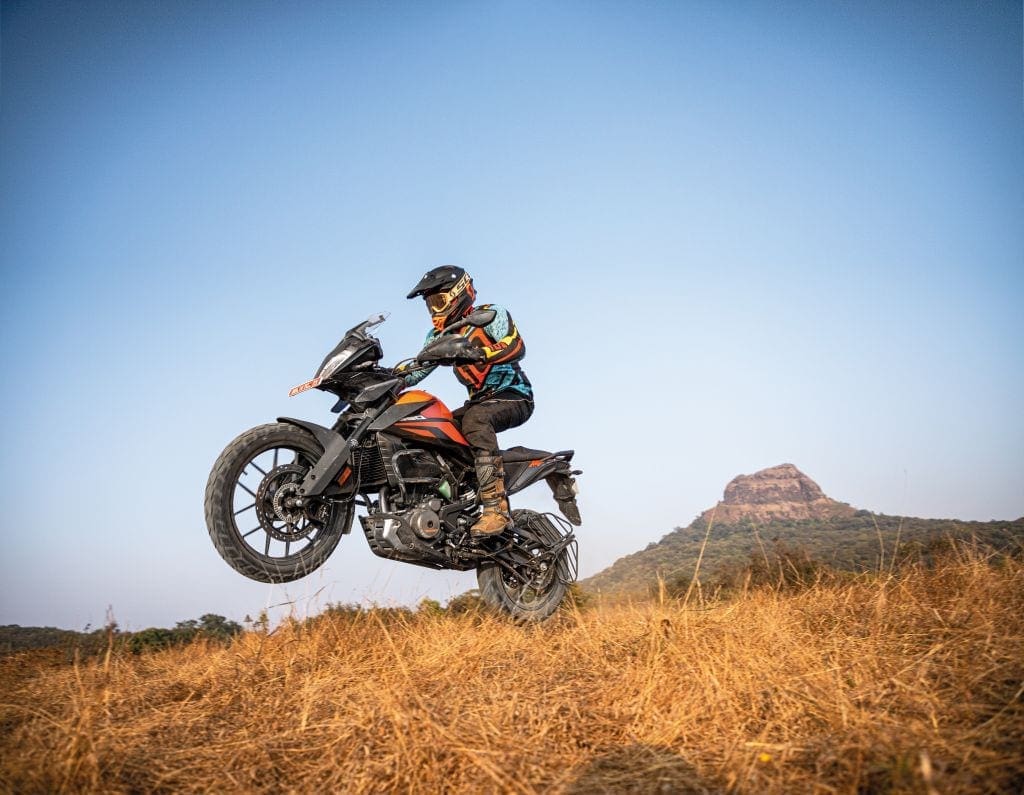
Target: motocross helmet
x: 448, y: 292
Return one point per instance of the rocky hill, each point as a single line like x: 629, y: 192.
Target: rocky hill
x: 779, y: 493
x: 783, y: 506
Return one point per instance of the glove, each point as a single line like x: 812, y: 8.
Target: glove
x: 470, y: 353
x: 451, y: 350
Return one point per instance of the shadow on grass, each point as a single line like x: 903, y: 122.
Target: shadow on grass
x: 640, y: 769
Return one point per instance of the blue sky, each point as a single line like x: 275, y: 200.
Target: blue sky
x: 733, y: 235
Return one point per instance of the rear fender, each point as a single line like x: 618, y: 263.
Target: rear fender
x: 521, y: 474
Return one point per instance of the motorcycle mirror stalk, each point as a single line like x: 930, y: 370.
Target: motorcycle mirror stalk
x: 479, y: 318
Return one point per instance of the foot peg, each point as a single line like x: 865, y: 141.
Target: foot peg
x: 491, y: 523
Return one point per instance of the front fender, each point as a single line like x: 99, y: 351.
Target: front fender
x: 323, y: 435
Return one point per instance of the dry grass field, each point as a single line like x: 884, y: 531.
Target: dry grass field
x: 905, y: 683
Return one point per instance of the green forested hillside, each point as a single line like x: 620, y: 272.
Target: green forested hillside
x: 864, y: 541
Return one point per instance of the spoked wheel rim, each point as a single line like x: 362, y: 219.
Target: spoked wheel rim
x: 265, y: 514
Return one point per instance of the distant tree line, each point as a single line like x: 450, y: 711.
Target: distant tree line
x: 210, y: 627
x: 214, y: 628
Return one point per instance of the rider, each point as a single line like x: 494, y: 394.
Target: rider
x: 500, y: 395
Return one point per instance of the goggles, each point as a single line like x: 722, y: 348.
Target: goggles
x: 439, y: 303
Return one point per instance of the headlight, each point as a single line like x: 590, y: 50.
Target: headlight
x: 335, y: 363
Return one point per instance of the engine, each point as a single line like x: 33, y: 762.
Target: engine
x: 406, y: 524
x: 424, y: 488
x: 423, y: 519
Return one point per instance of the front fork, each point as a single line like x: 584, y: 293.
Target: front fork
x: 337, y: 450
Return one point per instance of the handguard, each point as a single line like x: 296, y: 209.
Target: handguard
x: 450, y: 349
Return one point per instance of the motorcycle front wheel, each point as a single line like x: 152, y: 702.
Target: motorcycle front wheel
x: 251, y: 512
x: 528, y: 596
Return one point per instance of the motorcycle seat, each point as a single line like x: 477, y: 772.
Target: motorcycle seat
x: 516, y: 455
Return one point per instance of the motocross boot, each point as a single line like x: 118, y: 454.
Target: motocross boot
x: 562, y: 489
x: 490, y: 475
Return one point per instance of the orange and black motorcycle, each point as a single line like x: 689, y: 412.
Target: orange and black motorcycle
x: 282, y: 495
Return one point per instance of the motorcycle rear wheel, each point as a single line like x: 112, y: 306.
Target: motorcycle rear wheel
x: 527, y: 600
x: 286, y: 543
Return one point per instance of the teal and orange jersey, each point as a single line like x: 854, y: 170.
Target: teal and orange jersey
x: 500, y: 371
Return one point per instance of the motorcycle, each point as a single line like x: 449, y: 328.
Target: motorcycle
x: 281, y: 495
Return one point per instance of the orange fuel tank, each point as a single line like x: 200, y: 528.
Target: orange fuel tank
x: 433, y: 422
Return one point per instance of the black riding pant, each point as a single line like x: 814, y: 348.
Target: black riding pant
x: 482, y: 421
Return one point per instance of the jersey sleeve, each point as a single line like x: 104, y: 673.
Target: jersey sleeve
x: 508, y: 345
x: 413, y: 378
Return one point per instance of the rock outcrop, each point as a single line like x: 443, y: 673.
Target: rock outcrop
x: 779, y: 493
x: 783, y: 504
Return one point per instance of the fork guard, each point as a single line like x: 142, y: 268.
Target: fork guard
x: 336, y: 454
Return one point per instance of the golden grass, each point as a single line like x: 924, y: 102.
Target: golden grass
x: 905, y: 684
